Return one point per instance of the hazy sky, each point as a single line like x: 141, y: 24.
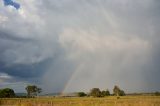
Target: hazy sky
x: 75, y: 45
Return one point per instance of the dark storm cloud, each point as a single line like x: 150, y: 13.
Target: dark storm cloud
x: 9, y: 36
x: 62, y: 44
x: 26, y: 71
x: 11, y: 3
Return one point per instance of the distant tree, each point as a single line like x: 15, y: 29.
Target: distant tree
x: 33, y: 90
x: 157, y: 93
x: 105, y: 93
x: 39, y: 90
x: 122, y: 93
x: 7, y: 93
x: 95, y: 92
x: 30, y: 90
x: 116, y: 90
x: 81, y: 94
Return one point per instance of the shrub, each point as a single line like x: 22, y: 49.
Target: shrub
x: 81, y: 94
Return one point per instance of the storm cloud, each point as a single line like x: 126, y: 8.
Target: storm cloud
x: 74, y: 45
x: 11, y: 3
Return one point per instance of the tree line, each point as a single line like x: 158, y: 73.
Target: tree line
x: 33, y: 90
x: 96, y: 92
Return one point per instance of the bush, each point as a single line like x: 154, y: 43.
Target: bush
x: 81, y: 94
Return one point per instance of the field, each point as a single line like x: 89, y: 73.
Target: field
x: 87, y: 101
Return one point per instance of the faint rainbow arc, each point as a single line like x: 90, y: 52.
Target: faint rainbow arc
x: 69, y: 82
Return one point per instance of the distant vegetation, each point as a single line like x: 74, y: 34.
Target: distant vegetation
x: 118, y: 92
x: 105, y: 93
x: 7, y: 93
x: 96, y: 92
x: 157, y: 93
x: 82, y: 94
x: 33, y: 91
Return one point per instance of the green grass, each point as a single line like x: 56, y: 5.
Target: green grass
x: 87, y: 101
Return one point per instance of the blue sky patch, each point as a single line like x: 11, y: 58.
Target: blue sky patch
x: 11, y: 3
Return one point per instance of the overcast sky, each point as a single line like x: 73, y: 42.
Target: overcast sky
x: 75, y: 45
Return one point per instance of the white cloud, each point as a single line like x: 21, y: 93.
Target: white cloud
x: 5, y: 76
x: 3, y: 19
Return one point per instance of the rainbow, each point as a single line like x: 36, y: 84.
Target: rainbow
x: 73, y: 76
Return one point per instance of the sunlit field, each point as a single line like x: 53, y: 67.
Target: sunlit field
x: 87, y: 101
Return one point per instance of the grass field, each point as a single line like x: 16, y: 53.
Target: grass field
x: 88, y: 101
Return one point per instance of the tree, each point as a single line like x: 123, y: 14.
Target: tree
x: 7, y: 93
x: 39, y: 90
x: 116, y: 90
x: 157, y: 93
x: 105, y: 93
x: 81, y: 94
x: 95, y: 92
x: 33, y: 90
x: 122, y: 93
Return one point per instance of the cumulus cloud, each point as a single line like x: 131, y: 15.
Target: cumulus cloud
x: 62, y: 44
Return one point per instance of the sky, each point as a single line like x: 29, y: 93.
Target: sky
x: 11, y: 3
x: 76, y: 45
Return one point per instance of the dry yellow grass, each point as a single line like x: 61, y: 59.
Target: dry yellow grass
x: 107, y: 101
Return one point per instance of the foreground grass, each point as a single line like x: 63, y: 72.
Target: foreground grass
x: 88, y: 101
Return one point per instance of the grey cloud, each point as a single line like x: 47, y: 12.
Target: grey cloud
x: 99, y: 42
